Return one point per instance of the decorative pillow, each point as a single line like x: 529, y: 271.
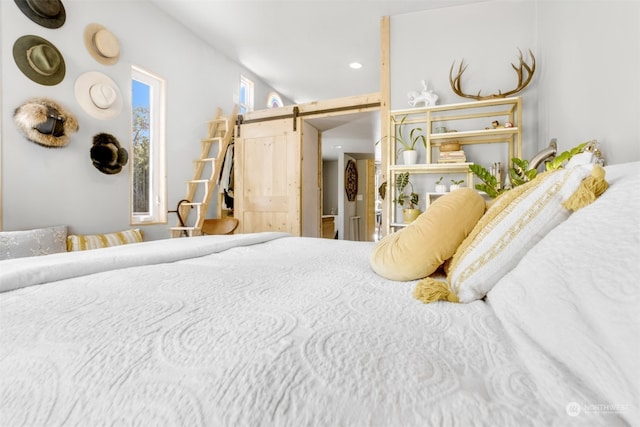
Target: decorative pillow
x: 513, y: 224
x: 27, y: 243
x: 80, y: 242
x: 419, y: 249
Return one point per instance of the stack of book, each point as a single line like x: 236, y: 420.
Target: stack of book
x: 452, y: 157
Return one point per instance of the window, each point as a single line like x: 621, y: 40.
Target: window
x: 148, y: 175
x: 246, y: 95
x: 274, y: 100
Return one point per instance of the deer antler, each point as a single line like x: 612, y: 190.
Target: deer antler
x: 521, y: 70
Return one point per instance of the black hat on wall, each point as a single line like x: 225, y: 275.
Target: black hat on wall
x: 107, y: 155
x: 47, y: 13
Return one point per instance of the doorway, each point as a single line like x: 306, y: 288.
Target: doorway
x: 350, y: 137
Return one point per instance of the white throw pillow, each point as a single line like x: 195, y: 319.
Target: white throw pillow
x: 36, y: 242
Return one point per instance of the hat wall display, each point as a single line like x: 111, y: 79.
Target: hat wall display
x: 107, y: 155
x: 47, y: 13
x: 98, y: 95
x: 101, y: 44
x: 45, y: 122
x: 39, y: 60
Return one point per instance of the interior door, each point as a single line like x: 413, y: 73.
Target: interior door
x: 267, y: 173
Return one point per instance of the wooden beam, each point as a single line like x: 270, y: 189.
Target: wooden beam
x: 385, y: 110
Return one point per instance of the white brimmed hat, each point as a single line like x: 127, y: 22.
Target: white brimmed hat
x: 102, y: 45
x: 98, y: 95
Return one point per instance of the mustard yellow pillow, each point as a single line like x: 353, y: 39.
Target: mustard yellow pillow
x: 419, y: 249
x: 81, y: 242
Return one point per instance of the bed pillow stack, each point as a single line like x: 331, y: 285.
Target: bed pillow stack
x: 419, y: 249
x: 514, y: 223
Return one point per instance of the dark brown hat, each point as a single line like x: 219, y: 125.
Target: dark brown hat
x: 39, y: 60
x: 47, y: 13
x: 107, y: 155
x: 45, y: 122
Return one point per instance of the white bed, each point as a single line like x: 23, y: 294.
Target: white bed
x: 271, y: 330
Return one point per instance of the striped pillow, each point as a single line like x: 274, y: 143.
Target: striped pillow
x: 81, y: 242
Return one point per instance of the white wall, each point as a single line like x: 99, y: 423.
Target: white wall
x: 43, y: 186
x: 588, y: 63
x: 589, y: 83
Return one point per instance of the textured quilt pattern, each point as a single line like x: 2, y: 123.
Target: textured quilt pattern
x: 291, y: 332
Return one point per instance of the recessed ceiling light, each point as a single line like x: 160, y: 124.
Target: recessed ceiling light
x: 355, y: 65
x: 337, y: 147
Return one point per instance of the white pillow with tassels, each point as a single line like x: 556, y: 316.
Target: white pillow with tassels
x: 513, y: 224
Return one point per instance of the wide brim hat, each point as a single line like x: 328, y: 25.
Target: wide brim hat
x: 39, y: 60
x: 47, y: 13
x: 102, y: 45
x: 107, y: 155
x: 98, y: 95
x: 45, y: 122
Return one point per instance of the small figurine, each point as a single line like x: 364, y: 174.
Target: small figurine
x: 427, y: 96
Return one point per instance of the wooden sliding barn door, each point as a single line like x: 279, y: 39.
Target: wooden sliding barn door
x: 267, y: 192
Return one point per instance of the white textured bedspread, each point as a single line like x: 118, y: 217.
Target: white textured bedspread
x: 284, y: 332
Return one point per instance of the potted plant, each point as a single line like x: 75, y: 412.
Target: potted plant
x: 408, y: 142
x: 440, y: 187
x: 455, y: 184
x: 406, y: 198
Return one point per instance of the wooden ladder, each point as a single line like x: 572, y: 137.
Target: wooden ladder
x: 220, y: 134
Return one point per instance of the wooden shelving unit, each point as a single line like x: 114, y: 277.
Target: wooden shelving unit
x: 467, y: 123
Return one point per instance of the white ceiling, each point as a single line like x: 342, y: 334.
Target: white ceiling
x: 302, y: 48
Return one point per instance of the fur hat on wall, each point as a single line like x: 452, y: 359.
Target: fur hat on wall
x: 45, y: 122
x: 107, y: 155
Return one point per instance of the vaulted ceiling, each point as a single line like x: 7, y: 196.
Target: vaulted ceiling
x: 301, y: 48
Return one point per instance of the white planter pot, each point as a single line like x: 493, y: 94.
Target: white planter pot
x: 441, y: 188
x: 453, y: 187
x: 410, y: 157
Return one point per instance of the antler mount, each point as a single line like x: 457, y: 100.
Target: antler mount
x: 524, y: 72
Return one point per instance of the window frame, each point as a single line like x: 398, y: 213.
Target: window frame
x: 157, y: 151
x: 246, y: 104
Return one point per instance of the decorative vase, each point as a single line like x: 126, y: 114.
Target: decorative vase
x: 441, y: 188
x: 410, y: 157
x: 453, y: 187
x: 410, y: 215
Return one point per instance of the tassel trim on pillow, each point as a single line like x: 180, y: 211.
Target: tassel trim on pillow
x: 589, y: 189
x: 430, y: 290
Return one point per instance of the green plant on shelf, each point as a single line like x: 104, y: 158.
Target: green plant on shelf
x: 521, y: 173
x: 410, y: 198
x: 407, y: 142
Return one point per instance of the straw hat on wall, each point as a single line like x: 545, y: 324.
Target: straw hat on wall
x: 102, y: 45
